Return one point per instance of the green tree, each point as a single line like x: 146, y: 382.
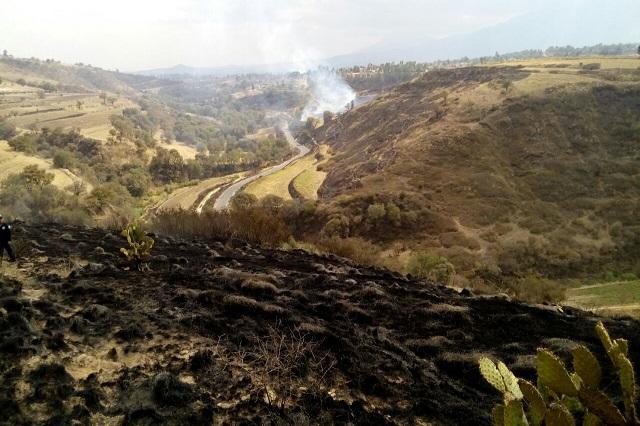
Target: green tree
x: 77, y: 188
x: 63, y: 159
x: 110, y: 195
x: 167, y: 166
x: 7, y: 130
x: 32, y: 177
x: 137, y: 181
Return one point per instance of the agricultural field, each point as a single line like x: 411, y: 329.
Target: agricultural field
x: 14, y: 162
x: 307, y: 183
x: 606, y: 62
x: 303, y: 174
x: 186, y: 151
x: 186, y: 197
x: 262, y: 134
x: 614, y: 298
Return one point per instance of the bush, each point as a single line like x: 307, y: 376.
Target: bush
x: 7, y: 130
x: 253, y: 224
x: 63, y: 159
x: 591, y: 67
x: 27, y: 143
x: 394, y: 215
x: 337, y: 226
x: 628, y: 276
x: 426, y: 264
x: 360, y: 251
x: 243, y: 201
x: 376, y: 212
x: 533, y: 289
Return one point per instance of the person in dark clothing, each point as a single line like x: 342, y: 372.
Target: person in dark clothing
x: 5, y: 240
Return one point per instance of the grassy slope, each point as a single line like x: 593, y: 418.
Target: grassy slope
x: 278, y: 183
x: 13, y: 162
x: 615, y: 297
x: 550, y: 160
x: 310, y: 180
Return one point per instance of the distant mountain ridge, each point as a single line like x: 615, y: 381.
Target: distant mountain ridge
x: 559, y: 26
x: 538, y: 30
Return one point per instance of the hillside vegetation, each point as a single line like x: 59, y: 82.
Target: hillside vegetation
x: 126, y: 142
x: 513, y: 170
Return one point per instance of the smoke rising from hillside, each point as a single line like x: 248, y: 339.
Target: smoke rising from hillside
x: 329, y: 92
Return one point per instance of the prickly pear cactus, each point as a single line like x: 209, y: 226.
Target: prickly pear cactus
x: 564, y: 398
x: 140, y: 246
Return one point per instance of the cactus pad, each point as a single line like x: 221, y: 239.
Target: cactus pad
x: 586, y: 365
x: 552, y: 373
x: 491, y: 374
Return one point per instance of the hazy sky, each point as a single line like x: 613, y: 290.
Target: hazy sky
x: 143, y: 34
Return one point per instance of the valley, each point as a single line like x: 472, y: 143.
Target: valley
x: 303, y: 213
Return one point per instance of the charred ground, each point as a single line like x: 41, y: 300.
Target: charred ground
x: 221, y: 332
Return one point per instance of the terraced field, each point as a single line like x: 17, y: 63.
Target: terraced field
x: 302, y: 176
x: 616, y: 298
x: 92, y: 117
x: 186, y: 198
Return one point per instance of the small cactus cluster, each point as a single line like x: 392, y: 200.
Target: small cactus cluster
x: 563, y: 398
x: 140, y: 246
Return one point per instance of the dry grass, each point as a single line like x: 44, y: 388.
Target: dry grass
x: 253, y: 225
x: 303, y: 174
x: 14, y: 162
x: 606, y: 62
x: 27, y: 110
x: 262, y: 134
x: 187, y: 152
x: 278, y: 183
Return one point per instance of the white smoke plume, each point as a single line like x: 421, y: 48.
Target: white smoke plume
x: 329, y: 92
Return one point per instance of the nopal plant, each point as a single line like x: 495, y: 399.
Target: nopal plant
x: 562, y: 397
x: 140, y: 245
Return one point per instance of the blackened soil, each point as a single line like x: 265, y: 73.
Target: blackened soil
x: 222, y: 333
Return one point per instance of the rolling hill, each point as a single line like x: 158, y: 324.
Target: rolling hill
x: 530, y: 168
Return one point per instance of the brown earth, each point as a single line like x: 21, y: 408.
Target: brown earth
x: 223, y: 333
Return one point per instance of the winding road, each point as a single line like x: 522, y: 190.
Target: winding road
x: 222, y: 202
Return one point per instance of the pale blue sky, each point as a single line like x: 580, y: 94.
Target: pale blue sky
x: 142, y: 34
